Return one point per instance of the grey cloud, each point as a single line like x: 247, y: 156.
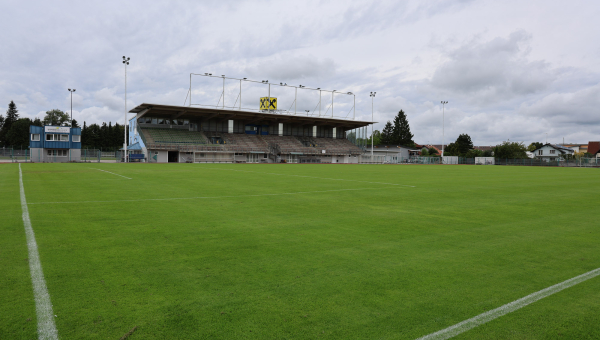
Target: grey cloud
x: 572, y: 108
x: 493, y: 70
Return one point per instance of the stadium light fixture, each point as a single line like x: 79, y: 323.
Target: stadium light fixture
x: 372, y: 122
x: 443, y: 108
x: 125, y: 63
x: 73, y: 90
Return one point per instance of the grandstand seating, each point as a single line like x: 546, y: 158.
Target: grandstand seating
x: 173, y: 136
x: 244, y: 141
x: 336, y: 146
x: 232, y: 142
x: 288, y: 144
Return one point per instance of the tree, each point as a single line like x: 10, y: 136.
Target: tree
x: 376, y: 138
x: 451, y: 150
x: 12, y: 115
x: 401, y: 131
x: 464, y: 144
x: 473, y: 153
x: 534, y: 146
x: 37, y: 122
x: 510, y: 150
x: 57, y: 117
x: 18, y: 135
x: 74, y: 123
x: 386, y: 134
x: 433, y: 151
x: 424, y: 152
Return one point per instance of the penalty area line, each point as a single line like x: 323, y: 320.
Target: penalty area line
x: 43, y: 306
x: 480, y: 319
x: 111, y: 173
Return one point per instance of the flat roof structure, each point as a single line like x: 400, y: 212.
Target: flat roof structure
x: 203, y: 113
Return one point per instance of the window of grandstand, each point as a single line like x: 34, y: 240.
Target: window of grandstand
x: 35, y: 137
x: 161, y: 121
x: 56, y: 138
x: 76, y: 138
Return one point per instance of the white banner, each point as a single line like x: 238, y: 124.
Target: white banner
x: 57, y: 129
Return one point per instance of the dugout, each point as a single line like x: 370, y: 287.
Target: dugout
x: 54, y: 144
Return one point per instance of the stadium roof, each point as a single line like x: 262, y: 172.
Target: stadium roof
x: 187, y: 112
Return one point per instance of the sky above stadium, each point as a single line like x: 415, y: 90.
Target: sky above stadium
x: 510, y: 70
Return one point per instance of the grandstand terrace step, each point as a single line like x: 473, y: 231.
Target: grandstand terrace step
x: 173, y: 136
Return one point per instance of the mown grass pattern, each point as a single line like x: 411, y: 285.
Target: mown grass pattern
x: 390, y: 262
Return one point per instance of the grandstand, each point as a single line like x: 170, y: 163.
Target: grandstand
x: 189, y: 134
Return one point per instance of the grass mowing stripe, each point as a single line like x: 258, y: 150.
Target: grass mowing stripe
x: 480, y: 319
x: 111, y: 173
x: 46, y: 326
x: 207, y: 197
x: 332, y: 179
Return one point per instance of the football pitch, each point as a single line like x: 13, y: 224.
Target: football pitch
x: 227, y: 251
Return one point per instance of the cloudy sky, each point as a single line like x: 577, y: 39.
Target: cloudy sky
x: 514, y: 70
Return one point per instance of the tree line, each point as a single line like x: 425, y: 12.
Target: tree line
x: 14, y: 131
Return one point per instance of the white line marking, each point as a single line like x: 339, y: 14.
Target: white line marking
x: 43, y: 306
x: 480, y: 319
x: 111, y: 173
x: 208, y: 197
x: 332, y: 179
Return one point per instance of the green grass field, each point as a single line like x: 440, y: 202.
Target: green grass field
x: 222, y: 251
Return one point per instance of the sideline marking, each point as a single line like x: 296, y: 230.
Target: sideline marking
x: 333, y: 179
x: 111, y: 173
x: 43, y: 306
x: 207, y: 197
x: 480, y: 319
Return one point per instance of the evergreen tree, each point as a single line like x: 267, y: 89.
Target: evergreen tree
x: 74, y: 123
x: 401, y: 131
x: 12, y: 114
x: 84, y: 134
x: 386, y: 134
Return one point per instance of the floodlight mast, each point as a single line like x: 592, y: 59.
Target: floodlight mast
x: 443, y: 138
x: 372, y: 123
x: 125, y: 63
x: 73, y: 90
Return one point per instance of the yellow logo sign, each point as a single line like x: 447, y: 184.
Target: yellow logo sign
x: 265, y: 105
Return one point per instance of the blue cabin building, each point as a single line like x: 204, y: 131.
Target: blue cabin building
x: 54, y: 143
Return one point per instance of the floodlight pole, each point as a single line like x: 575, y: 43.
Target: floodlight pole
x: 223, y: 92
x: 240, y: 107
x: 295, y: 100
x: 269, y: 103
x: 443, y: 138
x: 372, y: 123
x: 125, y: 63
x: 190, y: 90
x: 332, y: 92
x: 73, y: 90
x: 319, y: 103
